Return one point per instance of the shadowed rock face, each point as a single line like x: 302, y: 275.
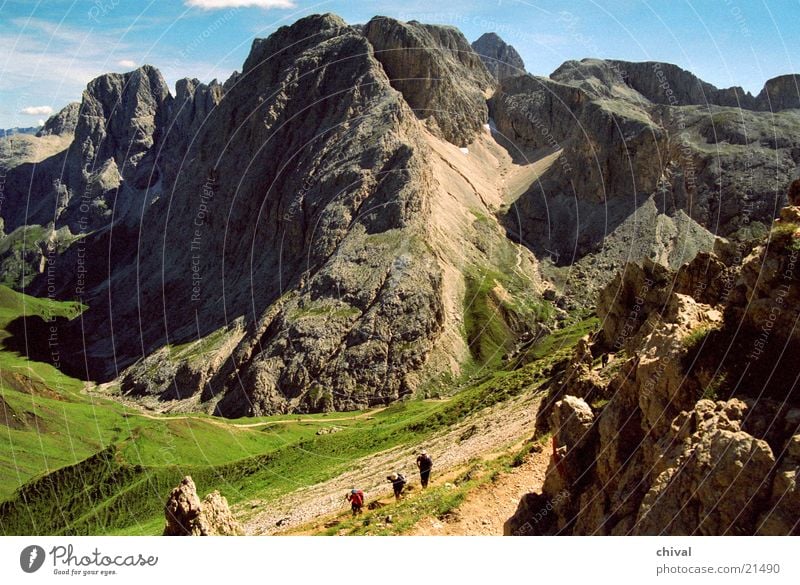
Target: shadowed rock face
x: 501, y: 59
x: 780, y: 93
x: 627, y: 134
x: 82, y: 187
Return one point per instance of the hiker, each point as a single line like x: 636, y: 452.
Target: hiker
x: 425, y: 463
x: 398, y: 483
x: 604, y: 360
x: 356, y: 499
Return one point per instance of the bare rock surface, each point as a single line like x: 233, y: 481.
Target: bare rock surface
x: 188, y: 516
x: 500, y: 58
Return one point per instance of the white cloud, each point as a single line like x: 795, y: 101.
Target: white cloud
x: 127, y: 63
x: 40, y: 122
x: 37, y: 111
x: 218, y: 4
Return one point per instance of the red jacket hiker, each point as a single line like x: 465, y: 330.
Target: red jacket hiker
x: 356, y: 499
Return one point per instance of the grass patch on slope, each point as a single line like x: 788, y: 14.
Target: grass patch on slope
x: 488, y: 334
x: 562, y: 339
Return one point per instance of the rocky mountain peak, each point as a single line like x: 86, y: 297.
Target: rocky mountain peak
x: 119, y: 116
x: 501, y: 59
x: 62, y: 123
x: 440, y: 76
x: 278, y: 49
x: 780, y: 93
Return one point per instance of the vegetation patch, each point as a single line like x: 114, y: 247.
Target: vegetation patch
x: 488, y: 335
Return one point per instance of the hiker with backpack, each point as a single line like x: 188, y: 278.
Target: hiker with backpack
x: 425, y: 464
x: 356, y: 499
x: 398, y: 483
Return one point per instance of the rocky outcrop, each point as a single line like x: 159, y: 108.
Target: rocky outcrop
x: 63, y: 123
x: 780, y: 93
x: 188, y: 516
x: 715, y: 478
x: 696, y: 432
x: 440, y: 76
x: 500, y: 58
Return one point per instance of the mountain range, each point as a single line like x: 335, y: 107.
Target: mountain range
x: 319, y: 218
x: 367, y: 214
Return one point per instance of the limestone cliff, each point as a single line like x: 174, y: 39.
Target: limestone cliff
x: 642, y: 160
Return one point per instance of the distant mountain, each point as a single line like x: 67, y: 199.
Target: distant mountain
x: 6, y: 132
x: 500, y: 58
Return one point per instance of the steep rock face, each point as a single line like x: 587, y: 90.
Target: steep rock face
x: 696, y: 436
x: 668, y: 84
x: 780, y: 93
x: 119, y: 116
x: 85, y: 185
x: 625, y: 147
x: 343, y: 202
x: 659, y: 83
x: 646, y: 287
x: 600, y: 163
x: 440, y: 76
x: 186, y: 515
x: 500, y: 58
x: 613, y: 136
x: 63, y: 123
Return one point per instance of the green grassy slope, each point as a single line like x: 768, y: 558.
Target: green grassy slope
x: 73, y: 463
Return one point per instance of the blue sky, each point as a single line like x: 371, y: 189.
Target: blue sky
x: 50, y: 49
